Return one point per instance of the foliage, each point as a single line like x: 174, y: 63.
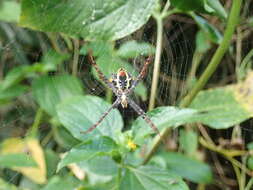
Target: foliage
x: 49, y: 151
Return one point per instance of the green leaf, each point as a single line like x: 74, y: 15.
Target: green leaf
x: 218, y: 8
x: 164, y: 117
x: 202, y: 42
x: 14, y: 76
x: 188, y: 168
x: 132, y: 49
x: 188, y: 140
x: 16, y: 160
x: 12, y: 92
x: 211, y: 32
x: 220, y: 108
x: 50, y: 60
x: 63, y: 137
x: 50, y: 91
x: 150, y: 177
x: 103, y: 167
x: 62, y: 183
x: 250, y: 162
x: 186, y: 5
x: 250, y: 146
x: 81, y: 112
x: 9, y: 11
x: 52, y: 160
x: 88, y: 150
x: 89, y: 19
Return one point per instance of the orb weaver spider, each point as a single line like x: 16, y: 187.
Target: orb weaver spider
x: 122, y: 84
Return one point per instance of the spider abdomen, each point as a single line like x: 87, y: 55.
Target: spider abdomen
x: 123, y: 80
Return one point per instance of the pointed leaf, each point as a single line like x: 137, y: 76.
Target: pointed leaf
x: 188, y: 168
x: 89, y: 19
x: 164, y: 117
x: 150, y: 177
x: 50, y: 91
x: 132, y: 49
x: 211, y: 32
x: 88, y: 150
x: 221, y: 108
x: 81, y: 112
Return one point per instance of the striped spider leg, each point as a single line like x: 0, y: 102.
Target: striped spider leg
x: 123, y: 85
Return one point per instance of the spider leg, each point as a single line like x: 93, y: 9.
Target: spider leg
x: 143, y: 115
x: 114, y: 105
x: 100, y: 74
x: 141, y: 74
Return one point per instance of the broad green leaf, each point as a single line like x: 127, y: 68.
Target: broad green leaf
x: 188, y: 168
x: 164, y: 117
x: 88, y: 150
x: 48, y: 63
x: 150, y: 177
x: 220, y: 107
x: 81, y: 112
x: 62, y: 183
x: 50, y: 91
x: 9, y: 11
x: 186, y: 5
x: 132, y: 49
x: 63, y: 137
x: 188, y: 140
x: 218, y: 8
x: 103, y: 167
x: 16, y: 75
x: 16, y: 160
x: 12, y: 92
x: 90, y: 19
x: 211, y: 32
x: 52, y: 160
x: 202, y: 42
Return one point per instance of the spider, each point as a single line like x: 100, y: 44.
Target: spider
x: 122, y: 84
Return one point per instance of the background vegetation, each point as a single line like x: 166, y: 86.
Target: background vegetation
x: 49, y: 92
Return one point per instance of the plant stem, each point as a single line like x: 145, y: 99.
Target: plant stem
x: 36, y: 123
x: 75, y: 57
x: 156, y: 70
x: 155, y: 145
x: 250, y: 183
x: 216, y: 59
x: 228, y: 154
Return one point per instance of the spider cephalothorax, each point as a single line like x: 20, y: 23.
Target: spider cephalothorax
x: 122, y: 84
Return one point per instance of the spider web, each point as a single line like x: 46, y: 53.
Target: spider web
x: 17, y: 49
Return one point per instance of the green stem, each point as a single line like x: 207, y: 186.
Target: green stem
x: 156, y: 70
x: 75, y: 57
x: 36, y: 123
x: 249, y: 185
x: 216, y: 59
x: 155, y: 145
